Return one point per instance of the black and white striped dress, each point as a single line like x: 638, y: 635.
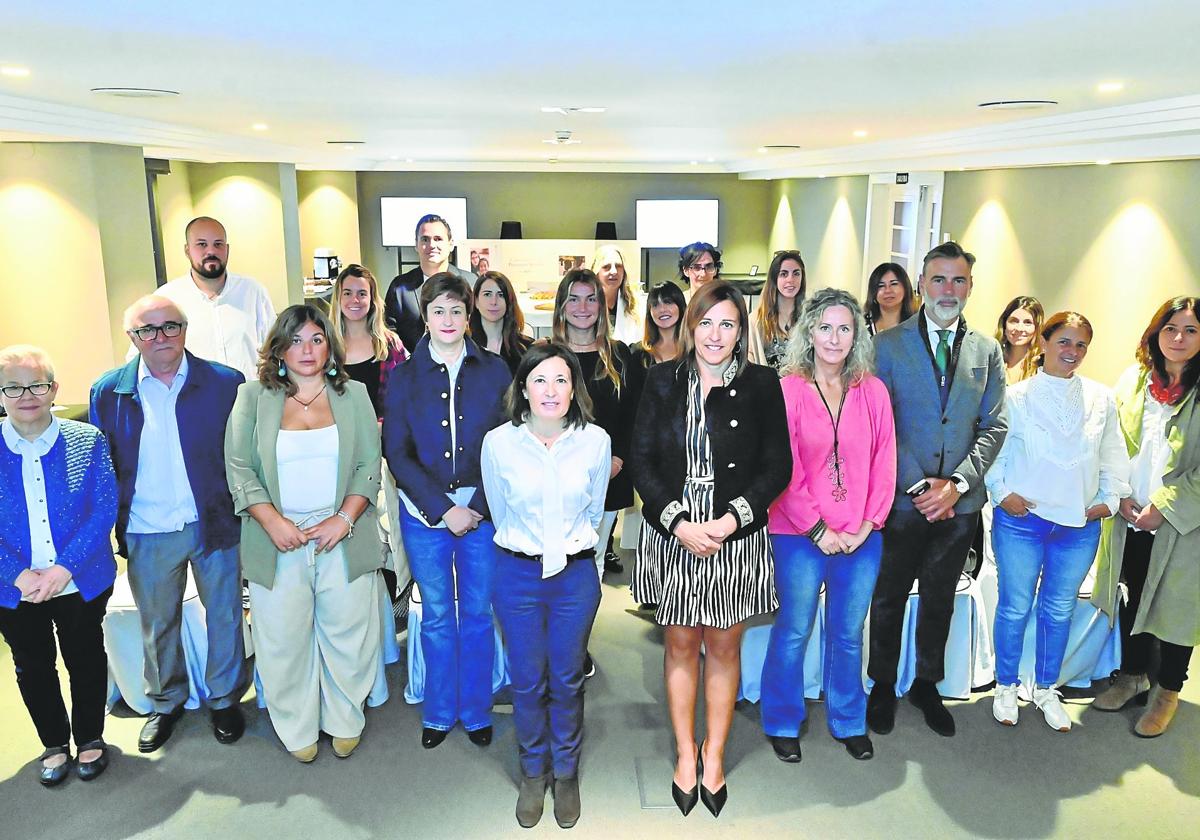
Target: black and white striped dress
x: 718, y: 591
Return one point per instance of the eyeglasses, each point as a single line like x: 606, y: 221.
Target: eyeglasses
x: 15, y: 392
x: 702, y: 269
x: 150, y: 332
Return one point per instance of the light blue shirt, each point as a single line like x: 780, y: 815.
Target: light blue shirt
x: 41, y: 541
x: 162, y: 496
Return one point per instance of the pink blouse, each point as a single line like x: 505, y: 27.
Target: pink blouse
x: 866, y: 449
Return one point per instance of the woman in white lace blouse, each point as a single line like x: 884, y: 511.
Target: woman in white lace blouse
x: 1062, y: 469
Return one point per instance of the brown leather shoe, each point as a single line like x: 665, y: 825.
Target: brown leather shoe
x: 1155, y: 720
x: 1124, y: 690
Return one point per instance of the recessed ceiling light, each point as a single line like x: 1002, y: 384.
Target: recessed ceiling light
x: 260, y: 126
x: 860, y: 132
x: 710, y: 160
x: 552, y: 160
x: 14, y: 72
x: 1018, y: 104
x: 1110, y: 87
x: 567, y: 110
x: 1104, y: 162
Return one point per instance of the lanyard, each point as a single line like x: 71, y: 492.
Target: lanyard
x: 834, y: 462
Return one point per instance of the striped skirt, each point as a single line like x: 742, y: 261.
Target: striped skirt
x: 719, y: 591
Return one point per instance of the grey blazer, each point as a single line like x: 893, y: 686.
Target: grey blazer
x: 964, y: 439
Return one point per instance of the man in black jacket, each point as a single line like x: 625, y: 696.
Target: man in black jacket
x: 401, y: 310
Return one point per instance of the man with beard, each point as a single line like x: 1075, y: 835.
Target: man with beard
x: 947, y: 386
x: 228, y: 315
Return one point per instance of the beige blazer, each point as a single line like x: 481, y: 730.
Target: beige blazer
x: 253, y: 473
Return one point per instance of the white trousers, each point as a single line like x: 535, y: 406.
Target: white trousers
x: 317, y: 645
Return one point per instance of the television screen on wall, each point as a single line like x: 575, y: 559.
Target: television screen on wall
x: 398, y: 217
x: 673, y: 223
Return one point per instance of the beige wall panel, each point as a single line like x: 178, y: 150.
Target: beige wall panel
x: 328, y: 209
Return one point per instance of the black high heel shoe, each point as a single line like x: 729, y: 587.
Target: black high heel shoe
x: 714, y: 801
x: 686, y: 801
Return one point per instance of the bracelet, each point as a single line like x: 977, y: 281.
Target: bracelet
x: 349, y: 521
x: 817, y: 531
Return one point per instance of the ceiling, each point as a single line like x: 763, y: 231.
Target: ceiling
x: 701, y: 87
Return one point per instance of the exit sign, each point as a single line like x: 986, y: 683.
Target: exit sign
x: 901, y: 177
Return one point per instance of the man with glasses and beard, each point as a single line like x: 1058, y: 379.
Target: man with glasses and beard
x: 228, y: 315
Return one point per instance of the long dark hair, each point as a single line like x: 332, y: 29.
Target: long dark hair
x: 513, y: 324
x: 666, y: 292
x: 1150, y: 355
x: 767, y: 314
x: 907, y: 306
x: 1033, y: 306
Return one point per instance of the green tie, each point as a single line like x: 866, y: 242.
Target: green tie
x: 942, y: 354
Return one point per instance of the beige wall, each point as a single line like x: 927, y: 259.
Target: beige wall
x: 257, y: 204
x: 568, y: 205
x: 328, y: 216
x: 823, y: 218
x: 79, y: 213
x: 1112, y: 242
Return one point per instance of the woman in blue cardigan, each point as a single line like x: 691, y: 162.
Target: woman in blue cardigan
x: 58, y: 504
x: 440, y: 404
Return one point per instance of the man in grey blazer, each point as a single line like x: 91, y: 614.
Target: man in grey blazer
x: 401, y: 305
x: 947, y: 386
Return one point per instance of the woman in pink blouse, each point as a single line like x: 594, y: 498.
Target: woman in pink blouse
x: 825, y: 526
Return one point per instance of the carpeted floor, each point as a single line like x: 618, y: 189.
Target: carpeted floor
x: 1098, y: 781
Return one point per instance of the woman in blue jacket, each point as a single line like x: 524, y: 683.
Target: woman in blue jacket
x: 440, y: 404
x: 58, y: 504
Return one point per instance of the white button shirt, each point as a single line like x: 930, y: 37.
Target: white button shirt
x: 546, y: 500
x: 229, y: 328
x: 41, y: 540
x: 163, y: 501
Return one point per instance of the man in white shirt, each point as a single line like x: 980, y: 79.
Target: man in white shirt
x: 228, y: 315
x: 402, y: 308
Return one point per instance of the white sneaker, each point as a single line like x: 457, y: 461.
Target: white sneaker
x: 1004, y: 704
x: 1047, y: 700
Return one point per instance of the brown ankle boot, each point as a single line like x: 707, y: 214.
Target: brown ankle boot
x: 1155, y: 720
x: 1125, y: 689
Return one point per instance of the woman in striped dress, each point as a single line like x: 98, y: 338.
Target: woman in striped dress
x: 710, y: 453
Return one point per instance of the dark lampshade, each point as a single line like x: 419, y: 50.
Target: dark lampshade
x: 510, y: 230
x: 606, y: 230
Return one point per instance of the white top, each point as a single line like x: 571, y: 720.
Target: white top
x: 462, y: 495
x: 41, y: 541
x: 630, y: 328
x: 162, y: 496
x: 1064, y: 451
x: 308, y: 470
x: 229, y: 328
x: 1147, y: 467
x: 546, y: 501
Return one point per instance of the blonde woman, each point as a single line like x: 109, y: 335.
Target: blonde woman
x: 624, y: 308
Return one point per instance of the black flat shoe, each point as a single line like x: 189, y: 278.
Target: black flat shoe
x: 51, y: 776
x: 431, y: 738
x: 859, y: 747
x: 714, y: 801
x: 228, y: 724
x: 88, y: 770
x: 481, y: 737
x: 786, y: 749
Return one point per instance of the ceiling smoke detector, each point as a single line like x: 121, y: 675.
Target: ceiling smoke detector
x: 562, y: 137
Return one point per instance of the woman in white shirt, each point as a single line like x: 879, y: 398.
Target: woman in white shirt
x: 624, y: 307
x: 1061, y: 470
x: 545, y: 474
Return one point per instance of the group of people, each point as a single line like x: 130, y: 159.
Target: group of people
x: 817, y: 451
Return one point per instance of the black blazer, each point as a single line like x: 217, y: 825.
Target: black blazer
x: 748, y: 435
x: 402, y: 308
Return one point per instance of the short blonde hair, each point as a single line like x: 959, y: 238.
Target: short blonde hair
x: 16, y: 354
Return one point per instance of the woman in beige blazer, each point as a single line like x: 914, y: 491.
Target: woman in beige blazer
x: 302, y: 459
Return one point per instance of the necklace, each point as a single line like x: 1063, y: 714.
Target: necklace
x: 324, y: 385
x: 834, y: 462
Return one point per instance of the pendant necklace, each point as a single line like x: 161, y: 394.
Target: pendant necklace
x: 314, y: 399
x: 834, y: 462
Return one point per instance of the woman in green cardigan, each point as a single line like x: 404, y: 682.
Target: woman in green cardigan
x: 302, y: 459
x: 1153, y: 552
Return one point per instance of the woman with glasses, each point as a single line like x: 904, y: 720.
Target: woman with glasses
x: 890, y: 297
x: 782, y: 298
x: 302, y: 461
x: 497, y: 323
x: 624, y: 310
x: 58, y: 505
x: 699, y: 264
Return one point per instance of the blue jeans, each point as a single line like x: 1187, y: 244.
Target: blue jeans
x: 1028, y: 547
x: 546, y: 625
x: 460, y: 648
x: 800, y: 569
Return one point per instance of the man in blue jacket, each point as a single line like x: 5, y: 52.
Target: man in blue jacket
x: 164, y: 415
